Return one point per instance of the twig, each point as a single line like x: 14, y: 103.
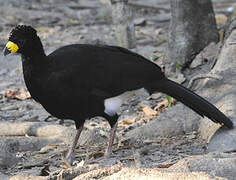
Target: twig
x: 69, y: 174
x: 232, y: 43
x: 85, y: 172
x: 202, y: 76
x: 148, y: 7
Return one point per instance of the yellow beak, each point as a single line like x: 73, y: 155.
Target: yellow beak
x: 11, y: 47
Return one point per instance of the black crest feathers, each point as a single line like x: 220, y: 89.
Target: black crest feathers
x: 22, y: 31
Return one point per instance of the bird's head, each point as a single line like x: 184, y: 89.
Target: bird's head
x: 22, y: 40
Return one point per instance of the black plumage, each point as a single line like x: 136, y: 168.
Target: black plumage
x: 74, y: 81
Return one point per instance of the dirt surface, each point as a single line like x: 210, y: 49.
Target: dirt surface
x: 59, y: 23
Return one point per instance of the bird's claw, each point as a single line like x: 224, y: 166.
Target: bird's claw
x: 68, y: 160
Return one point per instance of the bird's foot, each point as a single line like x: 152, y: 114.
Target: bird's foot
x: 70, y: 157
x: 108, y: 152
x: 68, y: 160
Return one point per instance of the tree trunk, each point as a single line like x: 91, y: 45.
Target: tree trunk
x: 124, y: 27
x: 192, y: 28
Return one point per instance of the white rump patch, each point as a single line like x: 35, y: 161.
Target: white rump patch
x: 112, y: 105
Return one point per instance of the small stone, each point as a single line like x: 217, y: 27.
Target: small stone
x: 140, y: 22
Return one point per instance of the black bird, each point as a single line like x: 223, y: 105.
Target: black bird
x: 81, y: 81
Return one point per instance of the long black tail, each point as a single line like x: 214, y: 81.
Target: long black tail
x: 192, y: 100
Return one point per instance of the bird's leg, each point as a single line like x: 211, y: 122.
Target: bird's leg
x: 70, y: 154
x: 111, y: 139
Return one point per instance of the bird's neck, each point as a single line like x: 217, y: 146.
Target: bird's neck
x: 35, y: 66
x: 34, y: 52
x: 33, y: 57
x: 34, y: 60
x: 34, y: 69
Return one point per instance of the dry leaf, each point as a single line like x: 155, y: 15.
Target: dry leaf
x: 20, y: 94
x: 129, y: 120
x: 221, y: 19
x: 65, y: 165
x: 164, y: 104
x: 165, y: 165
x: 96, y: 154
x: 149, y: 111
